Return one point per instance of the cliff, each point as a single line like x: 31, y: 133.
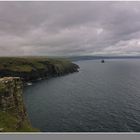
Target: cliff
x: 33, y: 68
x: 17, y: 70
x: 13, y: 115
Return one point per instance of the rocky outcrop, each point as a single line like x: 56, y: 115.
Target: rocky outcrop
x: 13, y: 115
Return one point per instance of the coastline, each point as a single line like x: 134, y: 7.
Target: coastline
x: 32, y: 69
x: 15, y: 73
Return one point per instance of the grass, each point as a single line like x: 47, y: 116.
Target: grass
x: 8, y: 123
x: 20, y: 64
x: 28, y: 64
x: 2, y: 88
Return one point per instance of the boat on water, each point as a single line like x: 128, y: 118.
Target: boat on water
x: 29, y: 84
x: 102, y: 61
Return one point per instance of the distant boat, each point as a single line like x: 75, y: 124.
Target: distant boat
x: 103, y: 61
x: 29, y: 84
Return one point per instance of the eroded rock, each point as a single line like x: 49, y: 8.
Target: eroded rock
x: 12, y: 105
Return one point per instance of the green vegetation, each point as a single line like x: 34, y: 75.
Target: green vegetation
x: 8, y: 123
x: 27, y: 64
x: 13, y: 115
x: 32, y: 68
x: 2, y: 88
x: 21, y: 64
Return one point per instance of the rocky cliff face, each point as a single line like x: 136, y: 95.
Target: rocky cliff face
x: 13, y: 115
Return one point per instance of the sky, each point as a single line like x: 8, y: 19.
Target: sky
x: 69, y: 28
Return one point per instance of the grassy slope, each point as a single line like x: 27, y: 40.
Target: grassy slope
x: 27, y: 64
x: 32, y: 68
x: 9, y: 121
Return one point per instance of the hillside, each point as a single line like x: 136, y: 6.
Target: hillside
x: 13, y: 115
x: 33, y: 68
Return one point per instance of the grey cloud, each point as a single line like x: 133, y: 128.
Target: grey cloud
x: 69, y: 28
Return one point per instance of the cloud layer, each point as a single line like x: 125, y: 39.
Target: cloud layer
x: 69, y: 28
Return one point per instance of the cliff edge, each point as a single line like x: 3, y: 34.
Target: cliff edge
x: 34, y: 68
x: 13, y: 115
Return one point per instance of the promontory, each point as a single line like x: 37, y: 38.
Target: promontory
x: 14, y: 72
x: 34, y: 68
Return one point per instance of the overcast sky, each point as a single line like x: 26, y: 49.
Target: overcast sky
x: 69, y: 28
